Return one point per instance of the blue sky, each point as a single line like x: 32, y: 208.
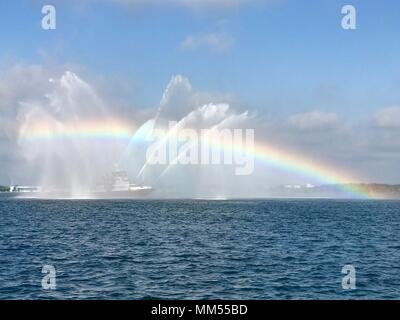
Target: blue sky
x: 285, y: 57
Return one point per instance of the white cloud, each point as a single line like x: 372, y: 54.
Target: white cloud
x: 388, y: 118
x: 217, y: 42
x: 314, y: 121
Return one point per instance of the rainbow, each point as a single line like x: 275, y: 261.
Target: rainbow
x: 263, y: 153
x: 290, y: 162
x: 99, y: 129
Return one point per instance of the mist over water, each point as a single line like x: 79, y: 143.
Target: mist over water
x: 71, y: 140
x: 68, y: 137
x: 181, y: 109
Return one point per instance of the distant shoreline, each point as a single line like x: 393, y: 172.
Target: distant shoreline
x: 335, y: 191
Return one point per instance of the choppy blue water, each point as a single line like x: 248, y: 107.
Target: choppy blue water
x: 264, y: 249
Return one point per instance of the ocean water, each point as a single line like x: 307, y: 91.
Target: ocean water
x: 193, y: 249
